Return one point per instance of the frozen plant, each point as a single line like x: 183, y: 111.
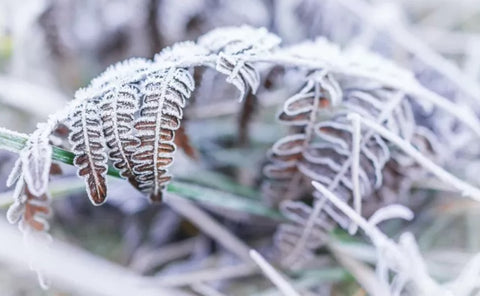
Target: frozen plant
x: 352, y: 124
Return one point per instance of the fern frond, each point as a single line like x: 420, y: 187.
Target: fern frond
x: 321, y: 150
x: 36, y: 211
x: 29, y: 210
x: 231, y: 44
x: 31, y: 173
x: 88, y: 144
x: 118, y: 109
x: 165, y: 95
x: 36, y: 161
x: 300, y: 110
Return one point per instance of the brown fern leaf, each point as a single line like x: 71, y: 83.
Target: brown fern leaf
x: 300, y: 111
x: 118, y: 108
x: 36, y: 160
x: 30, y: 210
x: 37, y: 210
x: 165, y: 95
x: 89, y: 147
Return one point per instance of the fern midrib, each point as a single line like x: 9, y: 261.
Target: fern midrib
x: 87, y: 144
x: 158, y: 127
x: 116, y: 133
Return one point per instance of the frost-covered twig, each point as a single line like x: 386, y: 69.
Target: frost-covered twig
x: 390, y: 256
x: 464, y: 188
x: 407, y: 84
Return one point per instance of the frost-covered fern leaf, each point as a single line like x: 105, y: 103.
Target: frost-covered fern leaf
x: 89, y: 146
x: 231, y: 44
x: 29, y: 210
x: 31, y: 173
x: 321, y: 149
x: 165, y: 95
x: 118, y: 108
x: 321, y: 92
x: 36, y: 160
